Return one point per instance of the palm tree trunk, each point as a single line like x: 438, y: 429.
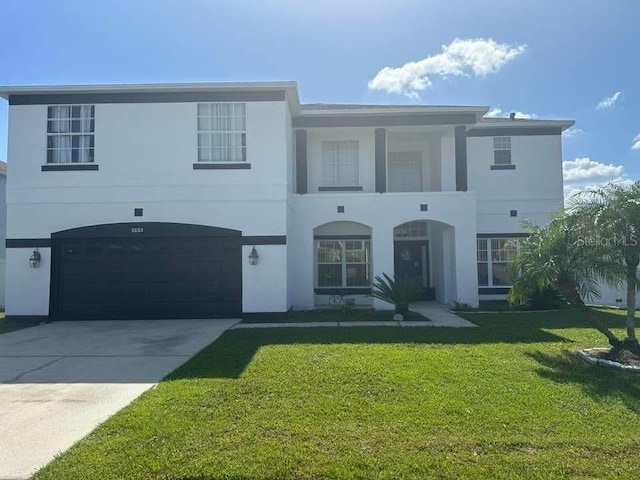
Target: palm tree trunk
x: 631, y: 339
x: 570, y: 293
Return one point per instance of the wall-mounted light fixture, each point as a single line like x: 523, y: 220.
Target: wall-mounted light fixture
x: 253, y: 256
x: 34, y: 259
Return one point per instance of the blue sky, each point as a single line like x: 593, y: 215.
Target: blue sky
x: 571, y: 55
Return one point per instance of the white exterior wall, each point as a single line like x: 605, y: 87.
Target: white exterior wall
x: 438, y: 155
x: 383, y: 212
x: 534, y: 188
x: 145, y: 154
x: 3, y: 236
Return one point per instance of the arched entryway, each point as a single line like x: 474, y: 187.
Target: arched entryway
x: 423, y: 250
x: 146, y: 271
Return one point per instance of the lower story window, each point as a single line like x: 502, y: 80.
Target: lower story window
x: 343, y: 263
x: 494, y: 259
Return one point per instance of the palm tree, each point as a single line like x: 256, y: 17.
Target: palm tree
x: 399, y: 291
x: 552, y: 257
x: 613, y: 216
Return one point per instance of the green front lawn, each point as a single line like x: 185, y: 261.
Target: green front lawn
x: 506, y: 400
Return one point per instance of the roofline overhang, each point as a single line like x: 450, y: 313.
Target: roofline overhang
x: 525, y: 123
x: 289, y: 87
x: 478, y: 110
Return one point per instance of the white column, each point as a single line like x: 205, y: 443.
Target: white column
x: 301, y: 255
x: 466, y: 275
x: 382, y: 257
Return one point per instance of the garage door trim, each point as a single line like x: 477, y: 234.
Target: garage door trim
x: 126, y: 232
x: 145, y: 229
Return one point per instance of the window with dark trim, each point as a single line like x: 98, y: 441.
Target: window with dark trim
x: 494, y: 260
x: 340, y: 163
x: 343, y: 263
x: 70, y: 134
x: 502, y: 150
x: 222, y: 132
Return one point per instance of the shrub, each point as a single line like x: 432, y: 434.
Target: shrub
x: 545, y: 299
x: 398, y: 291
x: 459, y: 306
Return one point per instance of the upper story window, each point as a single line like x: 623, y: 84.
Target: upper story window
x: 405, y: 172
x: 340, y: 163
x: 502, y: 150
x: 222, y: 132
x: 70, y: 134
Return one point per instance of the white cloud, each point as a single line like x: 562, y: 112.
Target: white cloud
x: 608, y: 102
x: 573, y: 132
x: 585, y: 173
x: 494, y: 112
x: 636, y: 143
x: 462, y: 57
x: 497, y: 112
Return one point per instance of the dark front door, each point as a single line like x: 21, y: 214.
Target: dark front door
x: 147, y: 277
x: 411, y: 260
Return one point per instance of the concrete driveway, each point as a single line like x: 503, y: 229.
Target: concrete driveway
x: 60, y: 380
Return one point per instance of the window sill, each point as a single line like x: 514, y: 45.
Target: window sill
x: 342, y: 291
x: 493, y: 290
x: 54, y: 167
x: 340, y: 189
x: 503, y: 167
x: 221, y: 166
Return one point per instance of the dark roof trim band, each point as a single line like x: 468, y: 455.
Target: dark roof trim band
x: 384, y: 120
x: 147, y: 97
x: 513, y: 131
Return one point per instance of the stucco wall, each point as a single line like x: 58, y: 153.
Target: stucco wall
x: 3, y: 227
x: 534, y: 188
x: 383, y: 212
x: 145, y: 154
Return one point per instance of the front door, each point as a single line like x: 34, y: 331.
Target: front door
x: 411, y: 260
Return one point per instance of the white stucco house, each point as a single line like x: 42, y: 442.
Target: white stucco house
x: 3, y: 227
x: 147, y: 201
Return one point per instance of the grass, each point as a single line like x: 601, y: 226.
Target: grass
x: 506, y: 400
x: 335, y: 315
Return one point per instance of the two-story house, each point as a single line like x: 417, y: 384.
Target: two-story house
x: 230, y: 199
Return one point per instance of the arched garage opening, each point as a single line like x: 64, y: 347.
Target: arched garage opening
x: 146, y: 270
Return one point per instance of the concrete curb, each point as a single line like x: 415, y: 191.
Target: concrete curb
x: 592, y: 360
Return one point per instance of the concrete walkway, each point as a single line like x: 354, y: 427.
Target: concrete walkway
x: 438, y: 314
x: 60, y: 380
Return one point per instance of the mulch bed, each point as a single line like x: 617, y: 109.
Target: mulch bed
x: 624, y: 357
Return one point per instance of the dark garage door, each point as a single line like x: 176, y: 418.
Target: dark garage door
x: 148, y: 277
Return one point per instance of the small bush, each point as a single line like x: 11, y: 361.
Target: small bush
x: 400, y: 291
x: 546, y: 299
x: 461, y: 306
